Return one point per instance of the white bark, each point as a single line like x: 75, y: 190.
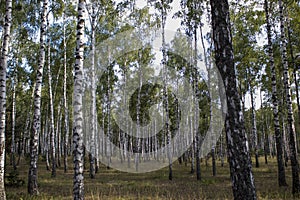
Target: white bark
x: 52, y: 128
x: 278, y: 134
x: 32, y: 175
x: 66, y: 110
x: 290, y: 120
x: 27, y: 124
x: 78, y: 187
x: 92, y: 151
x: 13, y: 119
x: 3, y: 65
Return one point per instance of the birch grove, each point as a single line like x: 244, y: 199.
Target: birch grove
x: 149, y: 99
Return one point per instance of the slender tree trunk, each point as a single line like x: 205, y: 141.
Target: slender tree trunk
x: 78, y: 187
x: 32, y: 175
x: 165, y: 91
x: 28, y: 123
x: 294, y: 75
x: 126, y: 136
x: 93, y: 106
x: 254, y: 129
x: 192, y: 152
x: 138, y: 114
x: 13, y: 149
x: 58, y: 135
x: 208, y: 67
x: 285, y: 144
x: 3, y: 66
x: 278, y: 134
x: 264, y: 132
x: 109, y: 136
x: 52, y: 128
x: 221, y: 150
x: 46, y: 141
x: 290, y: 119
x: 66, y: 111
x: 196, y: 98
x: 97, y: 145
x: 239, y: 157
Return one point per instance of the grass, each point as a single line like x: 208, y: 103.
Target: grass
x: 112, y: 184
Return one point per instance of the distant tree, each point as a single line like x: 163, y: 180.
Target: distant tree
x: 164, y: 6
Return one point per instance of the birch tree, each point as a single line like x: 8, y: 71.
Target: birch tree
x: 278, y: 134
x: 13, y: 120
x: 93, y: 12
x: 164, y: 6
x: 78, y: 187
x: 3, y: 65
x: 65, y: 103
x: 290, y: 118
x: 34, y: 136
x: 52, y: 129
x: 239, y: 157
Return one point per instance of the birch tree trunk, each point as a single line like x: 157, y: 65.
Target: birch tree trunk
x: 196, y: 113
x: 108, y: 110
x: 52, y: 128
x: 264, y: 133
x: 34, y: 136
x: 92, y: 151
x: 28, y: 123
x: 166, y: 99
x: 78, y: 187
x: 3, y: 65
x: 66, y: 111
x: 57, y: 136
x: 13, y: 120
x: 239, y: 157
x: 295, y: 69
x: 278, y: 134
x: 254, y: 128
x: 46, y: 135
x: 138, y: 115
x: 290, y: 119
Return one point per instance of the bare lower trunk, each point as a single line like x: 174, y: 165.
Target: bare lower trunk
x: 13, y: 161
x: 27, y: 124
x: 58, y: 135
x: 213, y: 157
x: 254, y: 129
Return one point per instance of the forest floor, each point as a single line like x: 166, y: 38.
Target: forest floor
x: 112, y: 184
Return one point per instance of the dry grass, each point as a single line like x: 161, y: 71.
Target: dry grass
x: 112, y: 184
